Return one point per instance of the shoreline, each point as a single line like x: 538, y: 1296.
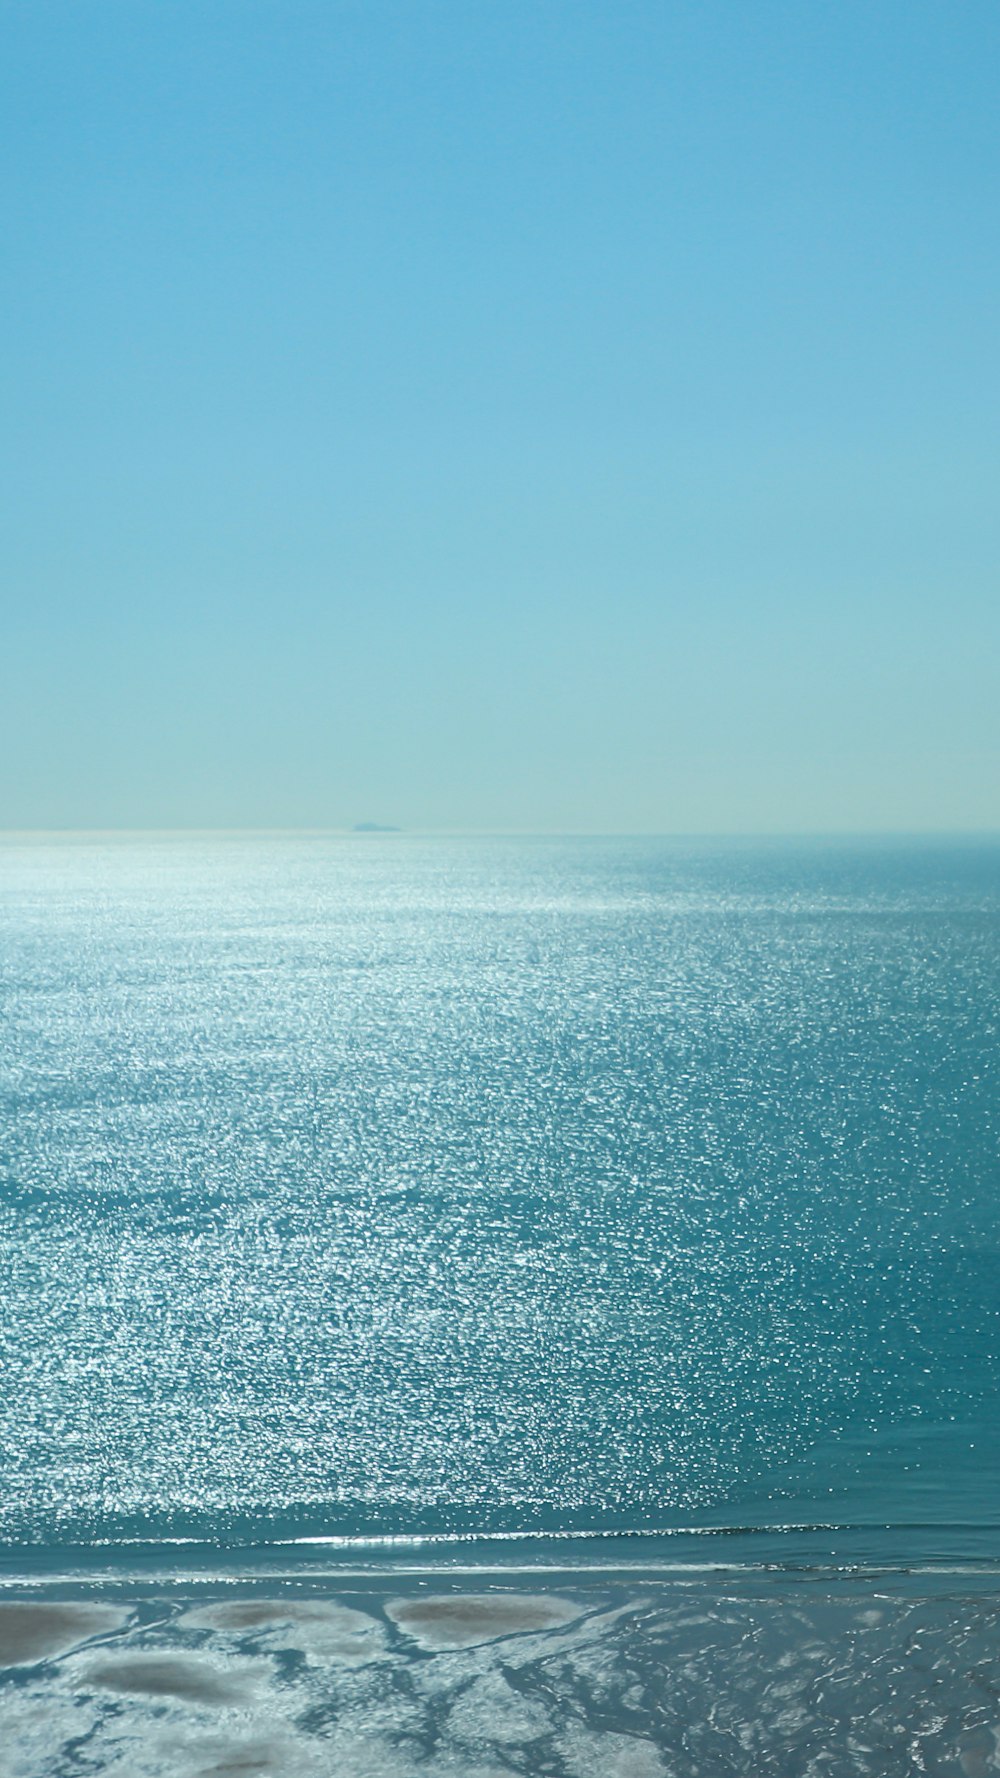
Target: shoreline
x: 804, y: 1550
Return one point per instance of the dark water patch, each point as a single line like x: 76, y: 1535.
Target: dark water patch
x: 35, y: 1631
x: 246, y: 1759
x: 460, y: 1620
x: 258, y: 1614
x: 163, y: 1676
x: 293, y: 1628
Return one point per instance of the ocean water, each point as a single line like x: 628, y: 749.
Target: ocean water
x: 556, y: 1214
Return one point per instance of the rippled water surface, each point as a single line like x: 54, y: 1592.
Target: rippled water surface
x: 376, y: 1185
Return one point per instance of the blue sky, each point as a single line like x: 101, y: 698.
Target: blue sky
x: 551, y: 416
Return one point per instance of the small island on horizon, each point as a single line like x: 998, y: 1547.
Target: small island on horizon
x: 374, y: 827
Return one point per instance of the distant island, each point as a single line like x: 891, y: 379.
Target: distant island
x: 373, y: 827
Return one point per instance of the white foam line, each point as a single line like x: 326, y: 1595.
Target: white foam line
x: 449, y: 1539
x: 418, y: 1540
x: 581, y: 1573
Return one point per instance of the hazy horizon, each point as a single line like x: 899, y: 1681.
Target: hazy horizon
x: 363, y: 831
x: 573, y: 419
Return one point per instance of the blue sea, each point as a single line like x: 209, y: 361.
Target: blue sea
x: 398, y: 1233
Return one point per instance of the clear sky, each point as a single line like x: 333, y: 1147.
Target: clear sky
x: 550, y: 414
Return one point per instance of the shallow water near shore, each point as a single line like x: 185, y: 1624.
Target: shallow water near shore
x: 422, y: 1673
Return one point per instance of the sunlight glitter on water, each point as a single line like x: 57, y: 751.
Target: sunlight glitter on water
x: 458, y: 1186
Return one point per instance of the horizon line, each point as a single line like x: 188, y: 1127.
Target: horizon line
x: 363, y: 832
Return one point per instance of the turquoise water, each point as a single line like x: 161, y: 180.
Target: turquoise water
x: 377, y: 1186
